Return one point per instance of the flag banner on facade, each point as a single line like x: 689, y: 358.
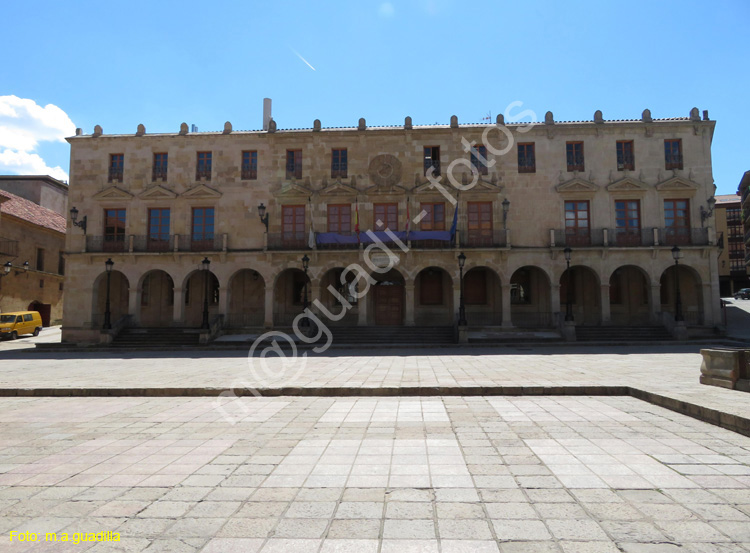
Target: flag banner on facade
x: 364, y: 238
x: 408, y: 219
x: 356, y: 218
x: 311, y: 238
x: 440, y: 235
x: 455, y: 222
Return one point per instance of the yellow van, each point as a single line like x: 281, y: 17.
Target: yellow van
x: 12, y: 325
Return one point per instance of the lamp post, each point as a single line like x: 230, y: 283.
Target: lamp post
x: 107, y: 314
x: 706, y: 213
x: 506, y: 208
x: 76, y: 222
x: 677, y: 254
x: 461, y: 306
x: 305, y: 322
x: 569, y: 296
x: 206, y: 263
x: 263, y: 215
x: 6, y: 269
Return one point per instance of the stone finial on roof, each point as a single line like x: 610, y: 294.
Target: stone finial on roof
x: 500, y: 119
x: 646, y: 116
x: 79, y: 131
x: 141, y: 130
x: 316, y: 125
x: 183, y: 129
x: 271, y: 125
x: 549, y: 119
x: 407, y: 122
x: 598, y: 118
x: 454, y: 122
x: 705, y: 115
x: 362, y: 124
x: 97, y: 130
x: 695, y: 115
x: 227, y: 128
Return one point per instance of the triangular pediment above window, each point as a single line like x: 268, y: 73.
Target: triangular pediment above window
x: 484, y: 186
x: 113, y: 193
x: 628, y: 184
x: 677, y: 183
x: 201, y: 191
x: 292, y: 188
x: 157, y: 193
x: 338, y: 188
x: 577, y: 185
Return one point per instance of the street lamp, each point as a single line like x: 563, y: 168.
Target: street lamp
x: 76, y: 222
x: 206, y: 263
x: 706, y: 213
x: 461, y: 306
x: 107, y: 314
x: 6, y: 268
x: 569, y: 295
x: 676, y: 255
x: 263, y: 215
x: 506, y: 207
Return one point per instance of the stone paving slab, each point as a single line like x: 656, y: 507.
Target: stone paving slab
x: 320, y: 474
x: 666, y: 376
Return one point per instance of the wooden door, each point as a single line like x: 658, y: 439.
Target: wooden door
x: 389, y: 305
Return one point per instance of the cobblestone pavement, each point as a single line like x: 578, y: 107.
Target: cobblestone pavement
x: 450, y: 475
x: 670, y: 371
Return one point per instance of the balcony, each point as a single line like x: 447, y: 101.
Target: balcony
x: 484, y: 239
x: 203, y: 173
x: 113, y: 243
x: 435, y: 164
x: 189, y: 243
x: 159, y: 173
x: 115, y: 174
x: 526, y: 164
x: 156, y: 243
x: 289, y: 241
x: 673, y: 161
x: 575, y: 163
x: 579, y: 238
x: 8, y: 247
x: 337, y: 240
x: 249, y: 172
x: 681, y: 236
x: 625, y: 162
x: 630, y: 238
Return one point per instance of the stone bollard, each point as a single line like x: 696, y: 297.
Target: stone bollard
x: 720, y: 368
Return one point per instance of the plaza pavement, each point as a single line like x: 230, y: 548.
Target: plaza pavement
x: 439, y: 473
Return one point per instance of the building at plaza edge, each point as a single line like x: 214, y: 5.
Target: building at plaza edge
x: 627, y: 204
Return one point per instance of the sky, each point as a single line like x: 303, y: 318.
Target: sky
x: 161, y: 63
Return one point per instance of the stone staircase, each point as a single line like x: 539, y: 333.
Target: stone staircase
x: 135, y: 337
x: 622, y: 334
x: 392, y: 335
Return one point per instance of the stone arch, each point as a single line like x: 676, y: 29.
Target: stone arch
x: 433, y: 297
x: 386, y: 299
x: 246, y: 299
x: 483, y: 296
x: 119, y: 289
x: 156, y: 293
x: 530, y: 298
x: 194, y: 295
x: 288, y: 295
x: 333, y: 278
x: 630, y: 296
x: 585, y: 294
x: 691, y: 293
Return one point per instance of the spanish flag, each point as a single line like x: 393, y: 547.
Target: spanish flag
x: 356, y: 219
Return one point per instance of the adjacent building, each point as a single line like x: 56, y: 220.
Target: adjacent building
x: 744, y: 193
x: 623, y: 197
x: 733, y: 274
x: 32, y: 243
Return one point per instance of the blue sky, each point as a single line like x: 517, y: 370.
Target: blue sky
x: 161, y: 63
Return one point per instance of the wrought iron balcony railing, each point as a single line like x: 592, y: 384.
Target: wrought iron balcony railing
x: 288, y: 241
x: 153, y: 243
x: 112, y: 243
x: 575, y: 163
x: 115, y: 174
x: 159, y: 173
x: 579, y: 237
x: 203, y: 173
x: 205, y: 243
x: 489, y: 238
x: 435, y: 164
x: 526, y: 164
x: 249, y: 172
x: 673, y: 161
x: 625, y: 162
x: 682, y: 236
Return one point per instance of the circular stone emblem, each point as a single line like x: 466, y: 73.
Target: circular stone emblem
x: 385, y: 170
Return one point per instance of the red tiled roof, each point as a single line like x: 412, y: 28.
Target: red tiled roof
x: 31, y: 212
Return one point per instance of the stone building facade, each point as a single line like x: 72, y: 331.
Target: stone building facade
x: 619, y: 194
x: 32, y: 242
x: 733, y: 274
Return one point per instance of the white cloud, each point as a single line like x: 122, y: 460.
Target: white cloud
x: 386, y: 9
x: 23, y: 124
